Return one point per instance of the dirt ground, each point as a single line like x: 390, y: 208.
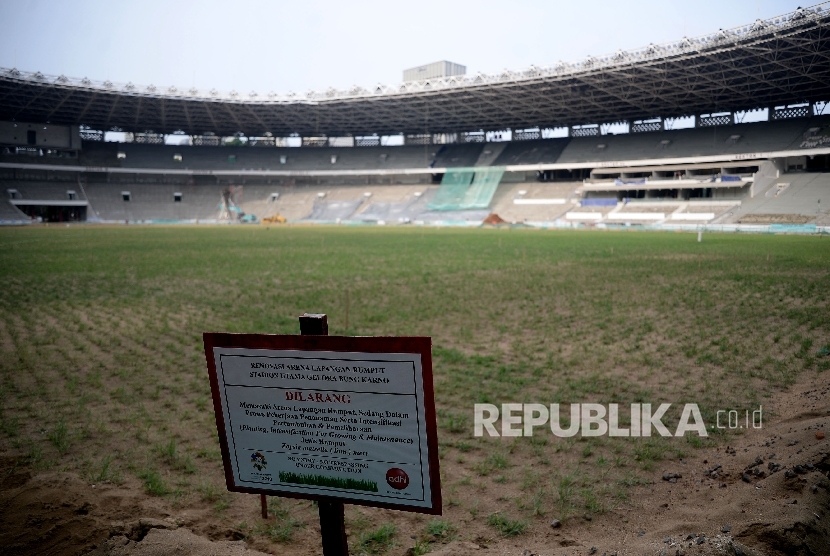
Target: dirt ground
x: 728, y: 500
x: 108, y: 440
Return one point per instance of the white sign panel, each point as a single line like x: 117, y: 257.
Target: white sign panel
x: 350, y: 425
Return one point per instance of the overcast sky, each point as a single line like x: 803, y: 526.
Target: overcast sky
x: 296, y: 46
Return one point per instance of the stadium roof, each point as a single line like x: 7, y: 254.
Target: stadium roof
x: 782, y: 60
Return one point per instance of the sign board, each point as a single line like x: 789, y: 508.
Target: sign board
x: 327, y: 418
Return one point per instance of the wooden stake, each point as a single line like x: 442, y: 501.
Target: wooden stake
x: 264, y: 503
x: 332, y: 512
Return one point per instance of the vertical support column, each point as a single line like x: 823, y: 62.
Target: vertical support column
x: 332, y: 518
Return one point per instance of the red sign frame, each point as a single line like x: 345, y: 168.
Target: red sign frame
x: 382, y: 344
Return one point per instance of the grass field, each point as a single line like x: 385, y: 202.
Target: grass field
x: 102, y: 369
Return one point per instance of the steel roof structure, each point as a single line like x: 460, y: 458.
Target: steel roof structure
x: 781, y: 60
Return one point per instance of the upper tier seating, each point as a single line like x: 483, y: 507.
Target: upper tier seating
x: 532, y: 152
x: 272, y: 158
x: 735, y: 139
x: 457, y: 156
x: 757, y: 137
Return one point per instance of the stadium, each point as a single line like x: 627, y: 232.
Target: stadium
x: 625, y: 230
x: 652, y: 137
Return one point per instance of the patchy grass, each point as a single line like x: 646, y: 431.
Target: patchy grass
x: 101, y: 350
x: 59, y: 437
x: 376, y: 541
x: 440, y: 529
x: 154, y: 484
x: 506, y: 527
x: 284, y: 526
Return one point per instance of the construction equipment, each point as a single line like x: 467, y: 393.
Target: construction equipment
x: 274, y: 219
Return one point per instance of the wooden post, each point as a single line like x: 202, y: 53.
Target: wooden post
x: 347, y: 307
x: 332, y: 522
x: 333, y: 528
x: 314, y: 325
x: 264, y: 503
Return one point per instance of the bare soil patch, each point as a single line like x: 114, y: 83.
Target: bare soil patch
x: 766, y: 492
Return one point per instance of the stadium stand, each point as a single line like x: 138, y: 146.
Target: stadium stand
x: 395, y: 211
x: 449, y: 217
x: 45, y: 190
x: 292, y: 203
x: 532, y: 152
x: 10, y: 214
x: 535, y: 202
x: 716, y: 172
x: 703, y: 211
x: 695, y: 192
x: 756, y: 137
x: 794, y: 198
x: 333, y: 211
x: 244, y: 158
x: 467, y: 189
x: 383, y: 203
x: 151, y: 202
x: 490, y: 153
x: 457, y: 156
x: 737, y: 139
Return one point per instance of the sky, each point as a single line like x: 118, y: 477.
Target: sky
x: 263, y: 46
